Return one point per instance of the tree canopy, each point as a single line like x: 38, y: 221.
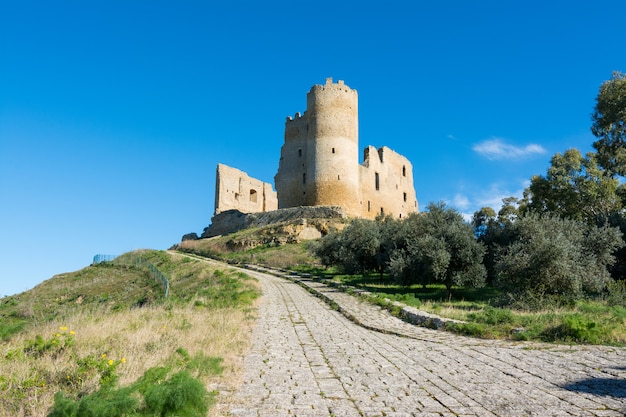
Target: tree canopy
x: 609, y: 124
x: 575, y: 187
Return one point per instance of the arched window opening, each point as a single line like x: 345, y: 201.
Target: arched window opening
x: 333, y: 150
x: 253, y: 196
x: 300, y: 152
x: 403, y: 171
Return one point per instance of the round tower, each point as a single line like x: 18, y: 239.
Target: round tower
x: 332, y: 147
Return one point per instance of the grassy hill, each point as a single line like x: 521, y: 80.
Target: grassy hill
x: 108, y: 335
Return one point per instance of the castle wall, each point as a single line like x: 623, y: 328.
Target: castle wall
x: 235, y: 190
x: 386, y: 180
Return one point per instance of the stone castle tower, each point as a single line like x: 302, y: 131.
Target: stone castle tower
x: 321, y: 146
x: 319, y: 166
x: 319, y: 161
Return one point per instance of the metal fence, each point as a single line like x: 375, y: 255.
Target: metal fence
x: 139, y: 262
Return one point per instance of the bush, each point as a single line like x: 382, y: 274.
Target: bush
x: 616, y: 293
x: 574, y: 328
x: 550, y: 256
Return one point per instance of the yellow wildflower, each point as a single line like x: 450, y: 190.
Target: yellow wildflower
x: 110, y: 362
x: 63, y: 328
x: 72, y: 332
x: 57, y: 335
x: 123, y: 360
x: 104, y: 355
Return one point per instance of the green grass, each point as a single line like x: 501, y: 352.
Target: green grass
x: 113, y: 286
x: 588, y: 321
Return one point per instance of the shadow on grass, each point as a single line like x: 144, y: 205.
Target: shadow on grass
x: 434, y: 293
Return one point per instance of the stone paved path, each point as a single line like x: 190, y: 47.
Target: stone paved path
x: 309, y: 360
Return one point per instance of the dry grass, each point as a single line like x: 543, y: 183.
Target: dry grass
x: 144, y: 338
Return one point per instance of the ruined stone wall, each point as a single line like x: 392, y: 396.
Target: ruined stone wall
x: 386, y: 180
x: 235, y: 190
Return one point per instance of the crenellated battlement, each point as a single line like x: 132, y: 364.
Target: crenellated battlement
x: 294, y: 117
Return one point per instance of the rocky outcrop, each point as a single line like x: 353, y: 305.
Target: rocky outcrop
x: 307, y: 222
x: 190, y: 236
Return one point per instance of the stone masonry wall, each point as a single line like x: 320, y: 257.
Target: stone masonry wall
x: 235, y: 190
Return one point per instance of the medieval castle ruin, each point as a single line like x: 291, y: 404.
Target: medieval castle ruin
x: 319, y: 166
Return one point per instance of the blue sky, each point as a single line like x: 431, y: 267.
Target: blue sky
x: 114, y: 114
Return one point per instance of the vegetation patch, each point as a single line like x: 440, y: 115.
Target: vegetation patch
x: 91, y: 348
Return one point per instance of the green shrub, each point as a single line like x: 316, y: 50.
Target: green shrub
x: 616, y: 293
x: 180, y: 396
x: 574, y: 328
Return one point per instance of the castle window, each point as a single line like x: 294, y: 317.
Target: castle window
x: 338, y: 177
x: 382, y: 211
x: 333, y: 150
x: 404, y: 196
x: 369, y: 206
x: 400, y: 215
x: 253, y: 194
x: 236, y: 196
x: 377, y: 180
x: 300, y: 152
x: 403, y: 171
x: 304, y: 178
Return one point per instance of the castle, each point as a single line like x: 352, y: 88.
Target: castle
x: 319, y: 166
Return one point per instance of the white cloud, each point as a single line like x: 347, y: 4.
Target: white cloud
x: 496, y: 148
x: 461, y: 202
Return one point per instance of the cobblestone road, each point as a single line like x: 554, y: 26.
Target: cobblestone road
x: 309, y: 360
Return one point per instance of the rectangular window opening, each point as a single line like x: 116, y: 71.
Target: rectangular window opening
x: 377, y: 182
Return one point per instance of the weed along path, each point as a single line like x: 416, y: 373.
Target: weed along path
x: 308, y: 359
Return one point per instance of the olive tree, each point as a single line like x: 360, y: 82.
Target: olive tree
x: 439, y: 246
x: 553, y: 256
